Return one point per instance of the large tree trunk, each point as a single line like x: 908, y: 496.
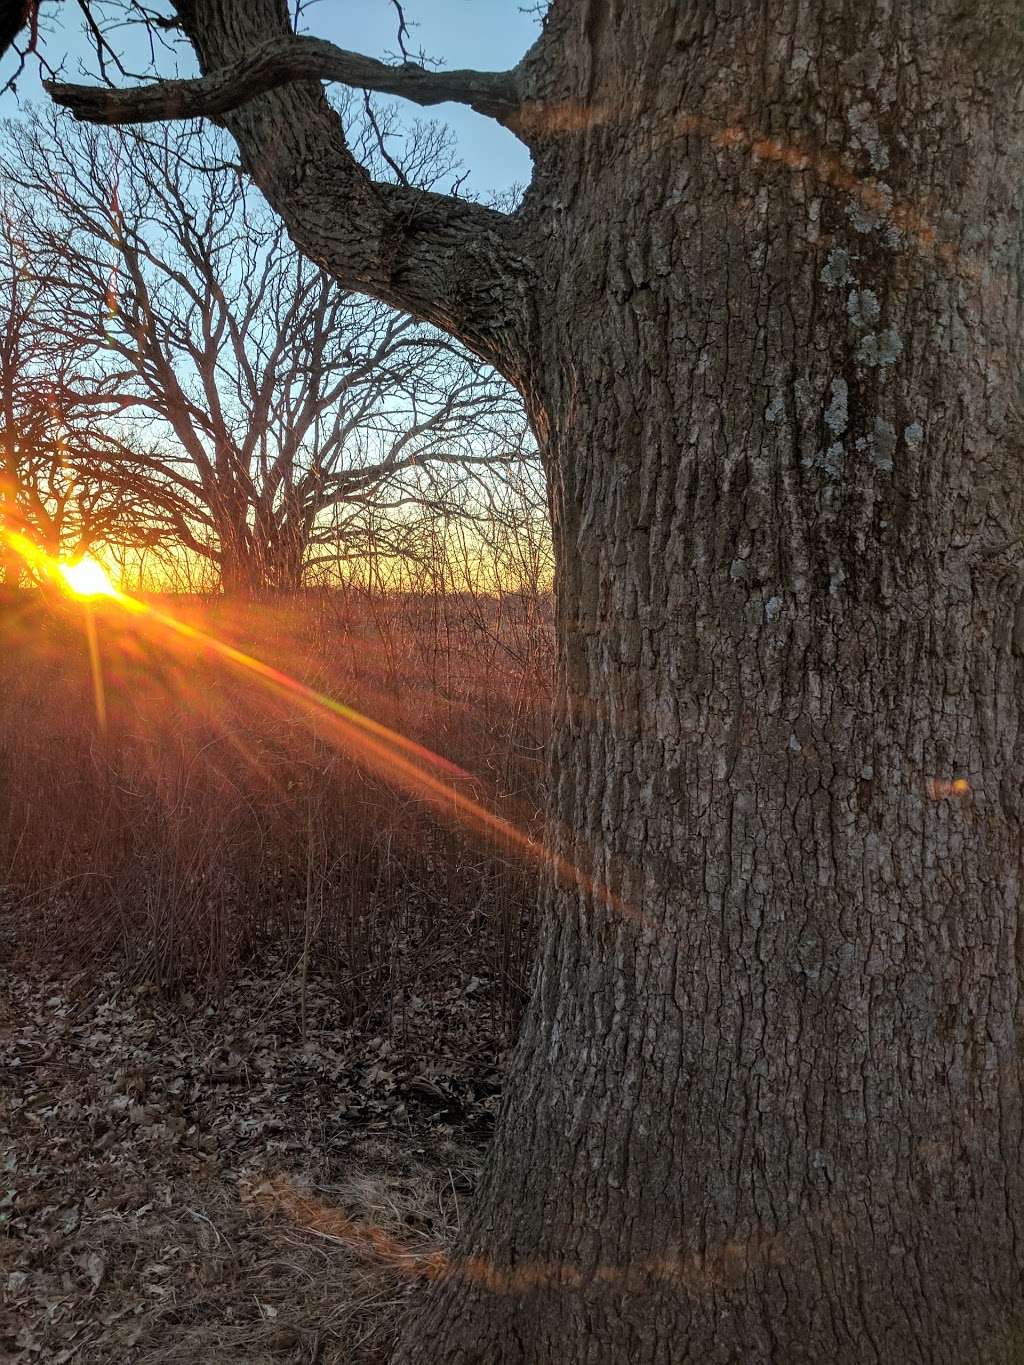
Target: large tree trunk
x: 259, y: 558
x: 240, y: 573
x: 10, y: 570
x: 284, y: 555
x: 768, y: 1105
x: 238, y: 576
x: 764, y: 298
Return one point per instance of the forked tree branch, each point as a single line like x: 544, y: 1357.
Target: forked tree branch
x: 278, y: 61
x: 463, y: 267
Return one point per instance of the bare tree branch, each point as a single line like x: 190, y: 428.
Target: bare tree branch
x: 14, y: 16
x: 458, y: 265
x: 279, y: 61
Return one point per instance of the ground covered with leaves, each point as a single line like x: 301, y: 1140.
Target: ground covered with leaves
x: 201, y: 1178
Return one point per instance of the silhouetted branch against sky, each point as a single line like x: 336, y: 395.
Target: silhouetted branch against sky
x: 109, y: 40
x: 112, y: 44
x: 280, y: 61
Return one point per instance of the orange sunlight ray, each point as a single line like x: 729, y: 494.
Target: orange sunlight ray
x: 402, y: 761
x: 99, y: 691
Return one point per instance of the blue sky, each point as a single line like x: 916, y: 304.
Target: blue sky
x: 487, y: 34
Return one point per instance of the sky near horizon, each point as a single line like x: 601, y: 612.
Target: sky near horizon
x: 485, y: 34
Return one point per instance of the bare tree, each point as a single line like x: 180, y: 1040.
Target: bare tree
x: 55, y: 429
x: 763, y: 299
x: 280, y: 396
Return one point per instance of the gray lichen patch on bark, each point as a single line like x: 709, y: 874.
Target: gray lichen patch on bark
x: 836, y: 270
x: 837, y: 413
x: 862, y: 307
x: 879, y: 349
x: 880, y: 445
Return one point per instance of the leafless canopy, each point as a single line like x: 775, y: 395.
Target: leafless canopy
x: 437, y: 256
x: 284, y: 405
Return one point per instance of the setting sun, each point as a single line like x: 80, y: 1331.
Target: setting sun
x: 87, y: 578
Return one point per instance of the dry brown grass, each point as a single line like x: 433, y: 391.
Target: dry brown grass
x: 274, y: 1286
x: 215, y: 819
x: 253, y: 988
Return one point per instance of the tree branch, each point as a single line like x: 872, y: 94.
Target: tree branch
x: 279, y: 61
x: 463, y: 267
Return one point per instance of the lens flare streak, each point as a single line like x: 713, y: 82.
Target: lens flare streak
x: 99, y: 691
x: 399, y: 759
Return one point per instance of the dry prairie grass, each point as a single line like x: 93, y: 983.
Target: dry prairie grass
x: 215, y: 819
x: 253, y: 990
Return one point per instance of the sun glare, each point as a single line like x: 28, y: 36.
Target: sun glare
x: 404, y: 761
x: 87, y: 578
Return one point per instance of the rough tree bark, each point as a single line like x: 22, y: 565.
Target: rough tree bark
x: 240, y: 573
x: 764, y: 303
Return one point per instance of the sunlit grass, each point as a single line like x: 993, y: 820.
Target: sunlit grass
x: 206, y: 815
x: 405, y: 764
